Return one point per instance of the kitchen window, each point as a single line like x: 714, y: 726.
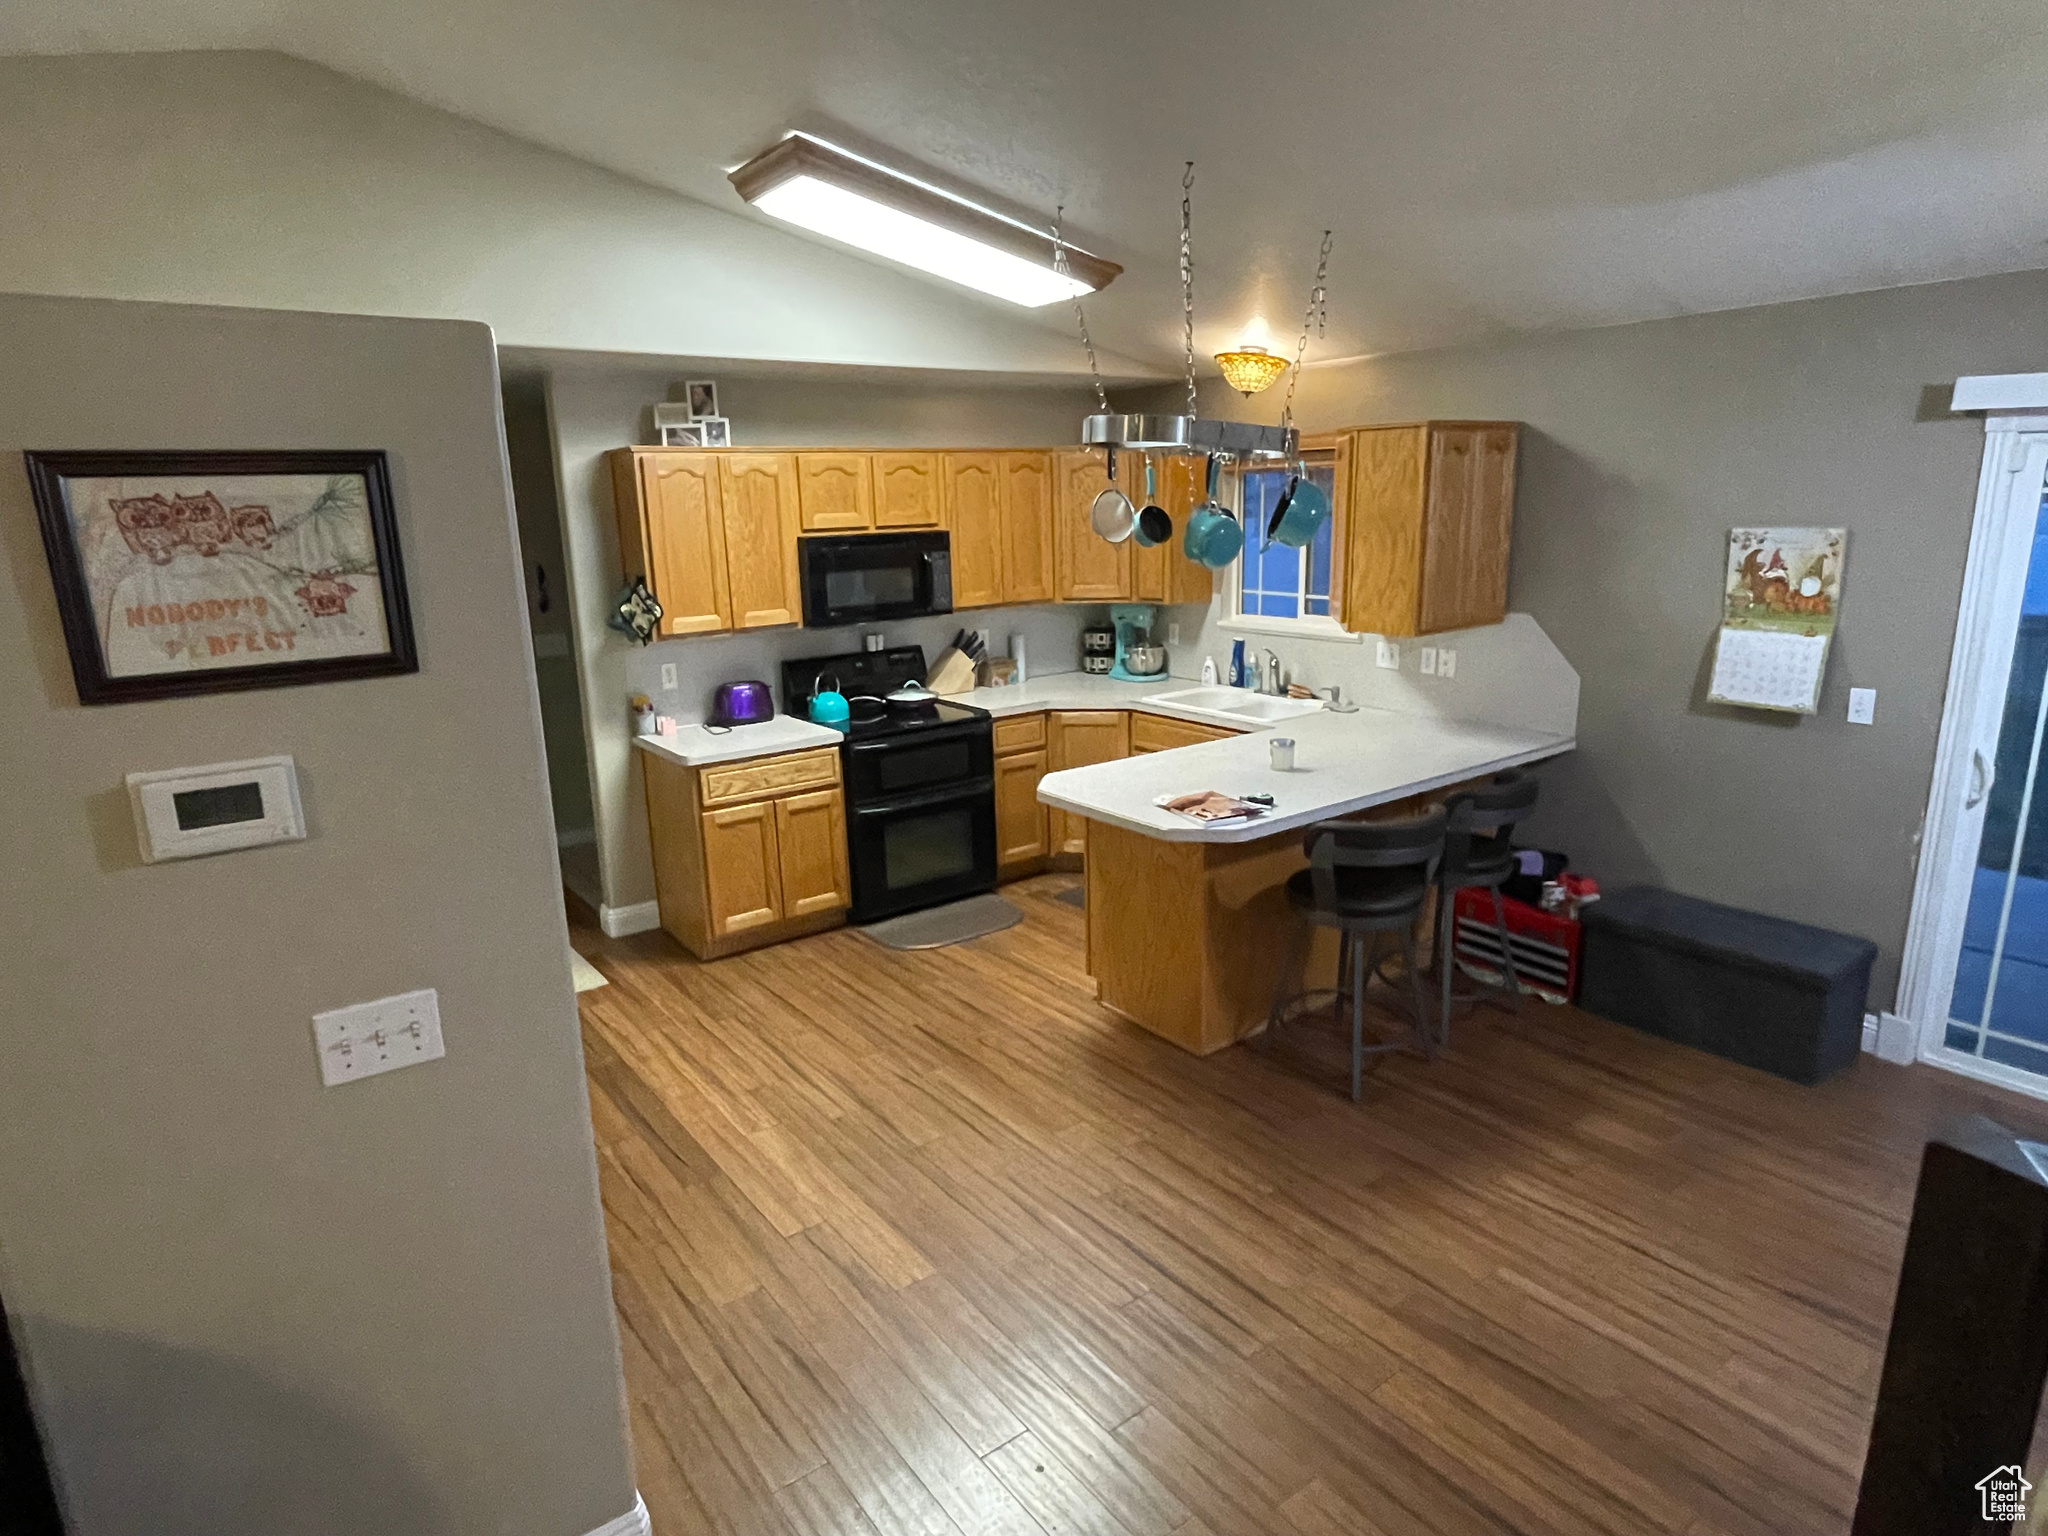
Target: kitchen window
x: 1276, y: 589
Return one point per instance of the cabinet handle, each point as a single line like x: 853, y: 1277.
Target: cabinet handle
x: 1982, y: 777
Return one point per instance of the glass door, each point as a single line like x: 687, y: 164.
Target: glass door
x: 1998, y: 1010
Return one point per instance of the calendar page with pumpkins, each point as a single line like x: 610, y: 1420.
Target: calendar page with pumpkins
x: 1783, y: 593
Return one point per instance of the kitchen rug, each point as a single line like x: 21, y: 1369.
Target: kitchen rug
x: 954, y: 923
x: 1074, y: 896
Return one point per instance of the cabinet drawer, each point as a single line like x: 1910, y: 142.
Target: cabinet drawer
x: 1157, y: 733
x: 763, y: 776
x: 1020, y: 733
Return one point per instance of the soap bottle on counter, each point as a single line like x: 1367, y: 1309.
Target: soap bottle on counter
x: 1209, y: 671
x: 1237, y: 664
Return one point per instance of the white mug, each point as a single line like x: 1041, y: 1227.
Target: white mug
x: 1282, y: 748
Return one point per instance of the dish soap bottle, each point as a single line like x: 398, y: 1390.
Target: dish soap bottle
x: 1237, y: 664
x: 1209, y: 671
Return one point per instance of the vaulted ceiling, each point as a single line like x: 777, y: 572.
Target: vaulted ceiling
x: 1487, y: 165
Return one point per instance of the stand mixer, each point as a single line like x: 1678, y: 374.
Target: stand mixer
x: 1137, y: 659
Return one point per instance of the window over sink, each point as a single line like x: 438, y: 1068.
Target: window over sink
x: 1276, y: 589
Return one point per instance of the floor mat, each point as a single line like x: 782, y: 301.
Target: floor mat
x: 1074, y: 896
x: 955, y: 923
x: 588, y: 977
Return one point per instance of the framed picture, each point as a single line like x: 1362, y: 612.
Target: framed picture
x: 205, y: 572
x: 717, y: 431
x: 689, y: 434
x: 703, y: 397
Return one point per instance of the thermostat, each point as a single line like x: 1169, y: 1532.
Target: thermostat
x: 181, y: 813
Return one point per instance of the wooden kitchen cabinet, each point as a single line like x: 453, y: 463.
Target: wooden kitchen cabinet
x: 835, y: 492
x: 1025, y: 482
x: 1158, y: 733
x: 748, y: 853
x: 1020, y: 819
x: 972, y: 486
x: 760, y: 494
x: 672, y: 535
x: 907, y: 491
x: 1089, y: 569
x: 1080, y: 737
x: 1427, y: 526
x: 1163, y: 574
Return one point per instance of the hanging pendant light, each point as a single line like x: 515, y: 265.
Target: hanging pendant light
x: 1250, y: 369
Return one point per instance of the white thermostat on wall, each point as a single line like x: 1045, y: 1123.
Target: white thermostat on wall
x: 181, y: 813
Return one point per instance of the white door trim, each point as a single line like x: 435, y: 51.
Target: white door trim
x: 633, y: 1522
x: 2009, y: 491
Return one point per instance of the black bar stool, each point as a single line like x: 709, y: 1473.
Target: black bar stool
x: 1364, y: 878
x: 1480, y: 862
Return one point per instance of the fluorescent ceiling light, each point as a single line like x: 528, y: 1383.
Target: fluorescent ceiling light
x: 822, y: 188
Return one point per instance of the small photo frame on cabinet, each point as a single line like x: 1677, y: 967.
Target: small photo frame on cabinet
x: 717, y: 431
x: 682, y: 434
x: 191, y: 572
x: 703, y: 397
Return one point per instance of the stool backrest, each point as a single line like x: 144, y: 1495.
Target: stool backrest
x: 1494, y: 810
x: 1417, y: 843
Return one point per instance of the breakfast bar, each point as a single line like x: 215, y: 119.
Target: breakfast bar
x: 1188, y: 923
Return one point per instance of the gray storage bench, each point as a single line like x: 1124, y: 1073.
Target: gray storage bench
x: 1771, y: 994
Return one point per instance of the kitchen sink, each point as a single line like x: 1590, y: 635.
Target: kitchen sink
x: 1238, y: 705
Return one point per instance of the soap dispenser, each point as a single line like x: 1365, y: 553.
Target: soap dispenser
x: 1209, y: 671
x: 1237, y: 664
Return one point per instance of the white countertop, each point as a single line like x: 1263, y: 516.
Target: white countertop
x: 1343, y: 763
x: 696, y: 745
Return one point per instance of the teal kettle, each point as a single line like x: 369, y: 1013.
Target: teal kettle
x: 828, y: 705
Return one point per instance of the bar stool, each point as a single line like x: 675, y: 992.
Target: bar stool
x: 1471, y: 862
x: 1364, y: 878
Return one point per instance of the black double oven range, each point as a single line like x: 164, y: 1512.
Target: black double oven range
x: 920, y: 782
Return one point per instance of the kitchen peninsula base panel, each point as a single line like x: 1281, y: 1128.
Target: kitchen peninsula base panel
x: 1186, y: 940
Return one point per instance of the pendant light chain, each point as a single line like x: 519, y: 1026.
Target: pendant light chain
x: 1059, y: 265
x: 1318, y: 313
x: 1187, y: 275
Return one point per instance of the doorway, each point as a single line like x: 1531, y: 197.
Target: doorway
x: 1975, y: 983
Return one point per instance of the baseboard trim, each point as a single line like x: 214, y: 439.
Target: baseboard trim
x: 1870, y: 1033
x: 633, y: 1522
x: 640, y: 917
x: 1889, y: 1038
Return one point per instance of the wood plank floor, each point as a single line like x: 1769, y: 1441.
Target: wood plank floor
x: 933, y: 1245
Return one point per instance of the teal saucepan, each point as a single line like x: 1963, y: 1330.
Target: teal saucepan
x: 1213, y: 537
x: 1299, y: 514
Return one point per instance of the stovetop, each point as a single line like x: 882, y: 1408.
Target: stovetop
x: 865, y: 677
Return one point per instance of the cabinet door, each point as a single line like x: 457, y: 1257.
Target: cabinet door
x: 1182, y: 485
x: 1026, y: 499
x: 1383, y: 535
x: 1467, y: 526
x: 906, y: 489
x: 685, y: 541
x: 1090, y: 568
x: 760, y: 493
x: 1157, y: 733
x: 1020, y: 819
x: 810, y: 831
x: 833, y: 492
x: 1150, y: 578
x: 742, y: 875
x: 1081, y: 737
x: 973, y: 503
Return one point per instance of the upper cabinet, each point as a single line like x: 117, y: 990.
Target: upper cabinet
x: 1427, y: 526
x: 972, y: 499
x: 907, y: 489
x: 1089, y: 568
x: 835, y: 493
x: 672, y: 534
x: 761, y: 523
x: 1025, y: 483
x: 1162, y: 573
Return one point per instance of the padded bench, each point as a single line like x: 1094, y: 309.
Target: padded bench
x: 1779, y: 996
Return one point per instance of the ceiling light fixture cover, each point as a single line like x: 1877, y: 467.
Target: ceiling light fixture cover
x: 842, y: 196
x: 1250, y: 369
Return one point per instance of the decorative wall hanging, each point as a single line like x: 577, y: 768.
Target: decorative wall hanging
x: 205, y: 572
x: 1780, y: 602
x: 636, y: 613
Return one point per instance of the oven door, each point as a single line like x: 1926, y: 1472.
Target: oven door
x: 921, y: 850
x: 871, y: 578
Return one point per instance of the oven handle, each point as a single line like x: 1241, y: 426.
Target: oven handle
x: 983, y: 788
x: 923, y: 738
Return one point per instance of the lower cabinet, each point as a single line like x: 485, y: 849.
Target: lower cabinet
x: 1158, y: 733
x: 748, y: 853
x: 1080, y: 737
x: 1020, y: 819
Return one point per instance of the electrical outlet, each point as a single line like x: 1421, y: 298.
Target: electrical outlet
x: 1429, y: 661
x: 1390, y: 655
x: 1446, y: 662
x: 668, y: 675
x: 1173, y: 634
x: 1862, y: 706
x: 365, y: 1039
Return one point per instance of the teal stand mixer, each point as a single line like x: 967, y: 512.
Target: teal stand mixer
x: 1138, y: 660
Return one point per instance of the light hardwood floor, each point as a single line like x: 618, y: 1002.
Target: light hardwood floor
x: 932, y: 1245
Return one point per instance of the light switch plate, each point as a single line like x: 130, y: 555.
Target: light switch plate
x: 365, y: 1039
x: 1389, y: 655
x: 1429, y: 661
x: 668, y: 675
x: 1862, y: 706
x: 1446, y: 662
x: 1173, y: 633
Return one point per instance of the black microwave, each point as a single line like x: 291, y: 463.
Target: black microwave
x: 869, y: 578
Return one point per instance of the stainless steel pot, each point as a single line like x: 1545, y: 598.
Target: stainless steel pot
x: 1145, y: 660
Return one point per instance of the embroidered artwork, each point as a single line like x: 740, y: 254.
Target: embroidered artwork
x: 172, y: 568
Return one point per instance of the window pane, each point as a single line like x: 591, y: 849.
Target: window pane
x: 1278, y: 605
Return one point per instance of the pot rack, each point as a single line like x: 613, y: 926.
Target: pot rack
x: 1189, y: 433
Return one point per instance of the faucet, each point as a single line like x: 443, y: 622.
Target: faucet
x: 1269, y: 675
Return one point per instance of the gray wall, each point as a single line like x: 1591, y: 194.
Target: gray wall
x: 598, y: 405
x: 1644, y: 445
x: 250, y: 1304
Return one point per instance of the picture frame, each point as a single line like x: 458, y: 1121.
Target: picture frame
x: 682, y: 434
x: 717, y: 431
x: 186, y: 572
x: 702, y: 395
